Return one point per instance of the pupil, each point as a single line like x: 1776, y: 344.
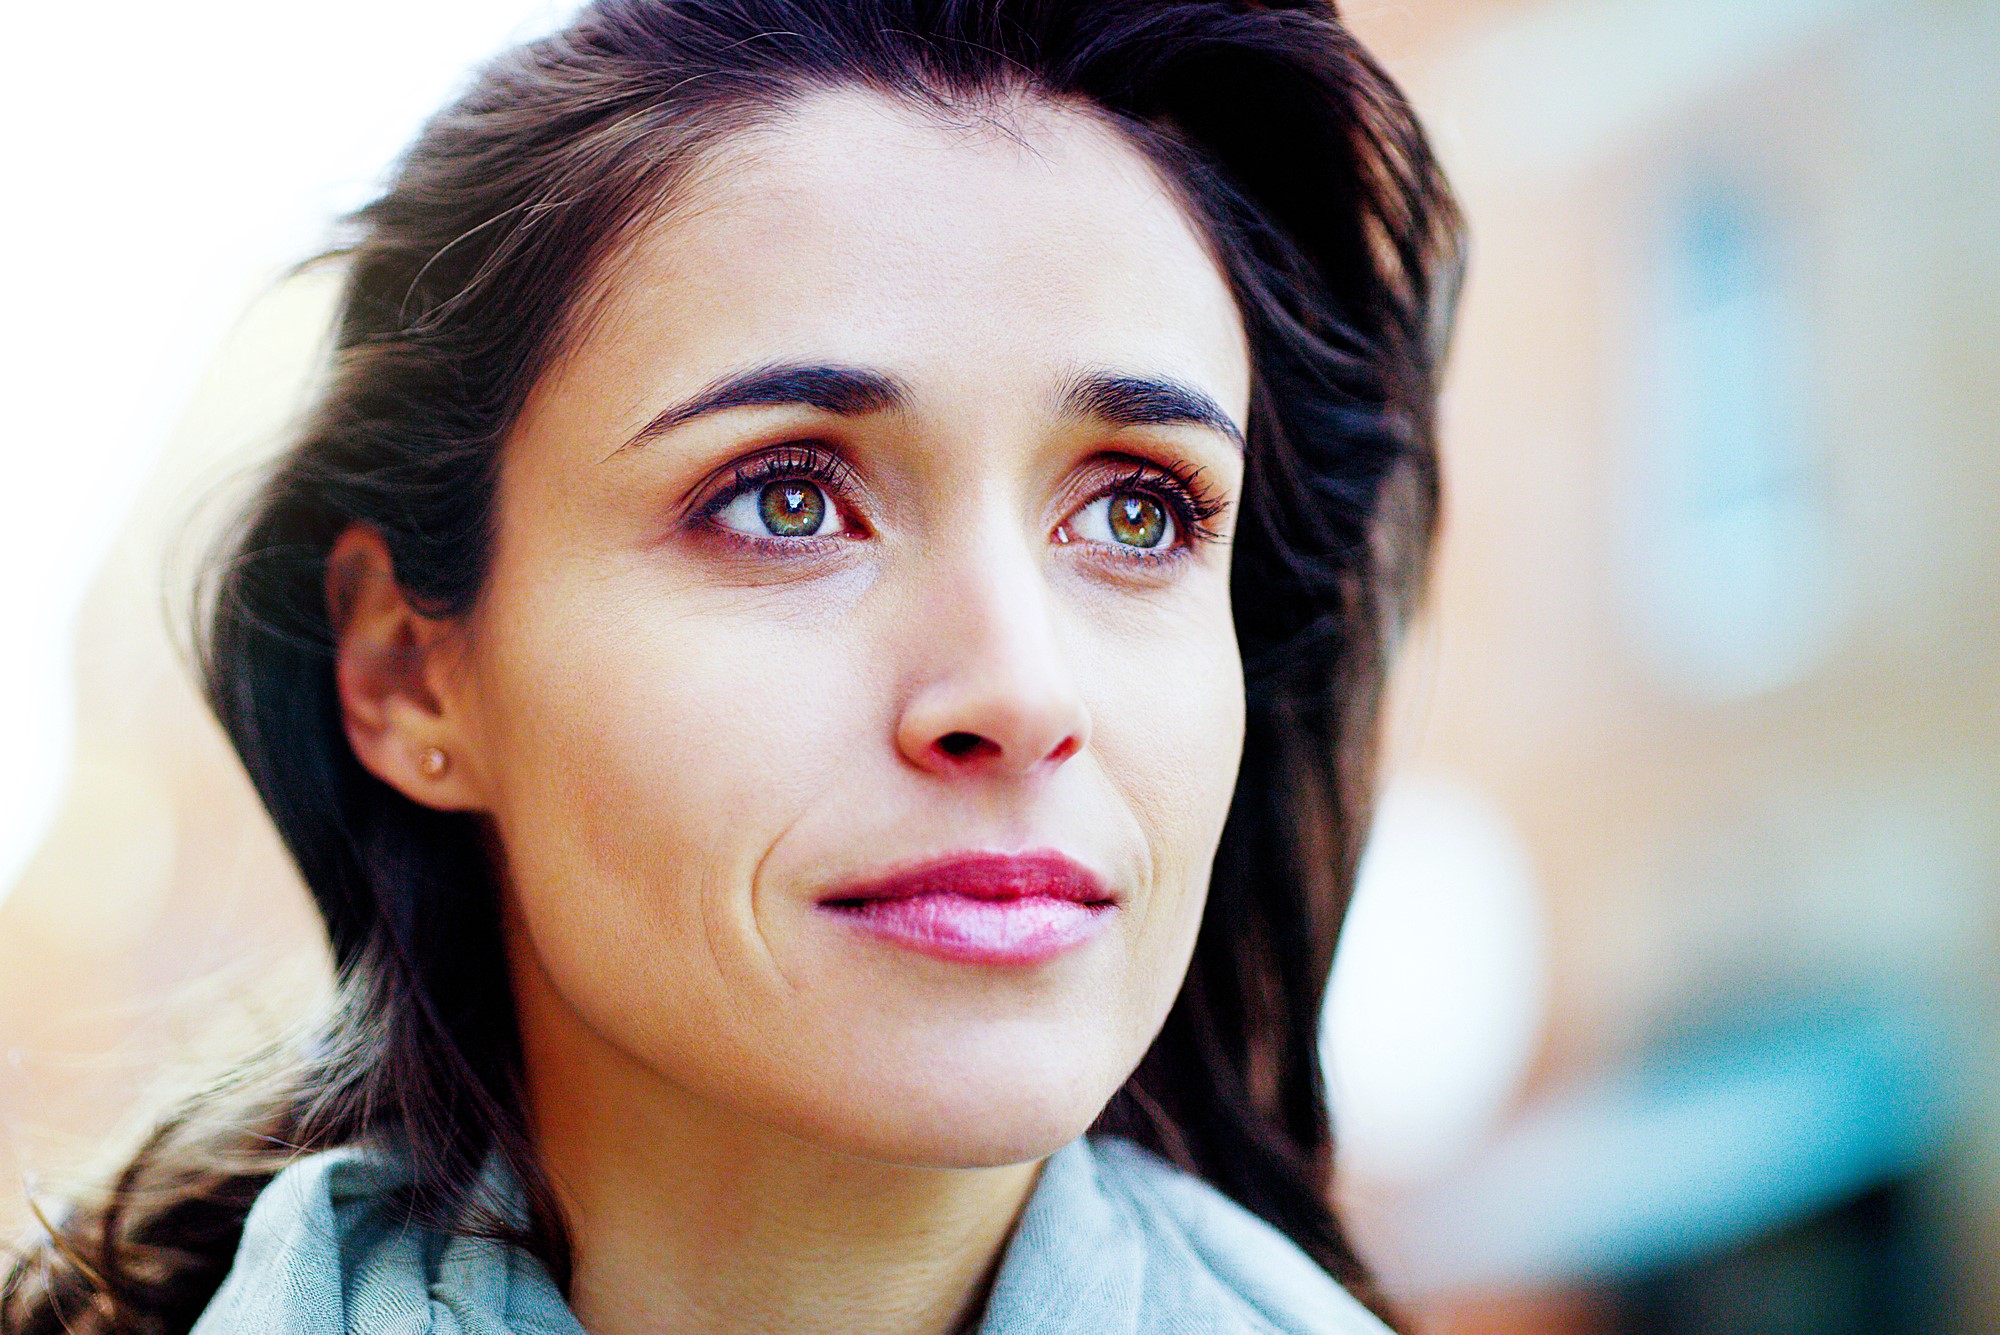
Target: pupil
x: 1136, y: 520
x: 792, y: 509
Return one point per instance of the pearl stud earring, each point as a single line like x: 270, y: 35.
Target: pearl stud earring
x: 433, y: 762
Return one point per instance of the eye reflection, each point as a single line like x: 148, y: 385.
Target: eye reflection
x: 1137, y: 521
x: 792, y: 509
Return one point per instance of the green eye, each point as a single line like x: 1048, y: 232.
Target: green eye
x: 1135, y: 519
x: 792, y: 508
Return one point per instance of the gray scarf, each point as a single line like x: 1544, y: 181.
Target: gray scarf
x: 1113, y: 1242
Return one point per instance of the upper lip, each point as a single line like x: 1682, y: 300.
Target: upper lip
x: 982, y: 875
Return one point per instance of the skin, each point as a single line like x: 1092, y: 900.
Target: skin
x: 684, y: 730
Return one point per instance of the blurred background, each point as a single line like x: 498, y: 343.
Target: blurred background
x: 1669, y: 1002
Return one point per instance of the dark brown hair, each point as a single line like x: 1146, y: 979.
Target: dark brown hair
x: 1306, y: 170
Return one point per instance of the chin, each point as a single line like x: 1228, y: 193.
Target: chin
x: 1002, y: 1102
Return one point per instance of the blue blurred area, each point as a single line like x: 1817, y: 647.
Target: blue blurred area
x: 1708, y: 1142
x: 1731, y: 544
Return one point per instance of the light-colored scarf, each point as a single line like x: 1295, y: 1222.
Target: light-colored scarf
x: 1113, y: 1242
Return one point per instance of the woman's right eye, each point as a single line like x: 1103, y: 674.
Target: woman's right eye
x: 786, y: 507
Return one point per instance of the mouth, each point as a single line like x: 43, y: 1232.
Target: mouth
x: 981, y: 908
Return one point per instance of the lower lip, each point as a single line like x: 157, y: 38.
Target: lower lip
x: 1028, y: 930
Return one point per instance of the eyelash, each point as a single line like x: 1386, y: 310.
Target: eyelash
x: 1192, y: 507
x: 824, y: 467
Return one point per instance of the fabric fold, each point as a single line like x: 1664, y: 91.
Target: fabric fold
x: 1113, y: 1241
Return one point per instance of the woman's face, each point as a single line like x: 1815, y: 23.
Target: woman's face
x: 858, y: 735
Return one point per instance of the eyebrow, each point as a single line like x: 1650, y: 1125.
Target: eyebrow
x: 1131, y: 400
x: 855, y: 391
x: 846, y: 391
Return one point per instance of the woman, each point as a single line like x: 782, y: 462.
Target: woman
x: 822, y: 641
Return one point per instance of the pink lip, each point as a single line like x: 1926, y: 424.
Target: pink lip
x: 981, y: 908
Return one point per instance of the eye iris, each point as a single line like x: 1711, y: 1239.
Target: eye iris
x: 791, y: 509
x: 1137, y: 520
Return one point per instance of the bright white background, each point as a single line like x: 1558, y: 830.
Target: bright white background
x: 164, y: 161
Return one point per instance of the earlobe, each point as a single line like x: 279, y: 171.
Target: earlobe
x: 402, y: 728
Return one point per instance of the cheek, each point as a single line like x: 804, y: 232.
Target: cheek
x: 1167, y: 721
x: 644, y: 758
x: 1167, y: 724
x: 647, y: 759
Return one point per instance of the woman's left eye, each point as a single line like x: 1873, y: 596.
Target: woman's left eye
x: 1126, y: 517
x: 786, y: 507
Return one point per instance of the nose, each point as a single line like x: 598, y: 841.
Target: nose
x: 996, y: 694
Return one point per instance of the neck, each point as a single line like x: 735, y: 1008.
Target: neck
x: 687, y: 1216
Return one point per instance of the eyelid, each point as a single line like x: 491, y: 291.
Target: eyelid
x: 809, y: 459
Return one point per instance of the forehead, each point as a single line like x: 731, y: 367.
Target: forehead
x: 853, y: 228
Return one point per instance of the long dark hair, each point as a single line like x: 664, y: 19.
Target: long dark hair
x: 1304, y: 166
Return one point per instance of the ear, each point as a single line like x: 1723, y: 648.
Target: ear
x: 391, y: 669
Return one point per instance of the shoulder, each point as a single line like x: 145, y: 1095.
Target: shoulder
x: 1114, y: 1238
x: 327, y: 1249
x: 1248, y: 1258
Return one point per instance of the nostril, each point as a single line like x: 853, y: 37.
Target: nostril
x: 960, y: 745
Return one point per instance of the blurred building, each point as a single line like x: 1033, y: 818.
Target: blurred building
x: 1670, y: 1003
x: 1715, y: 637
